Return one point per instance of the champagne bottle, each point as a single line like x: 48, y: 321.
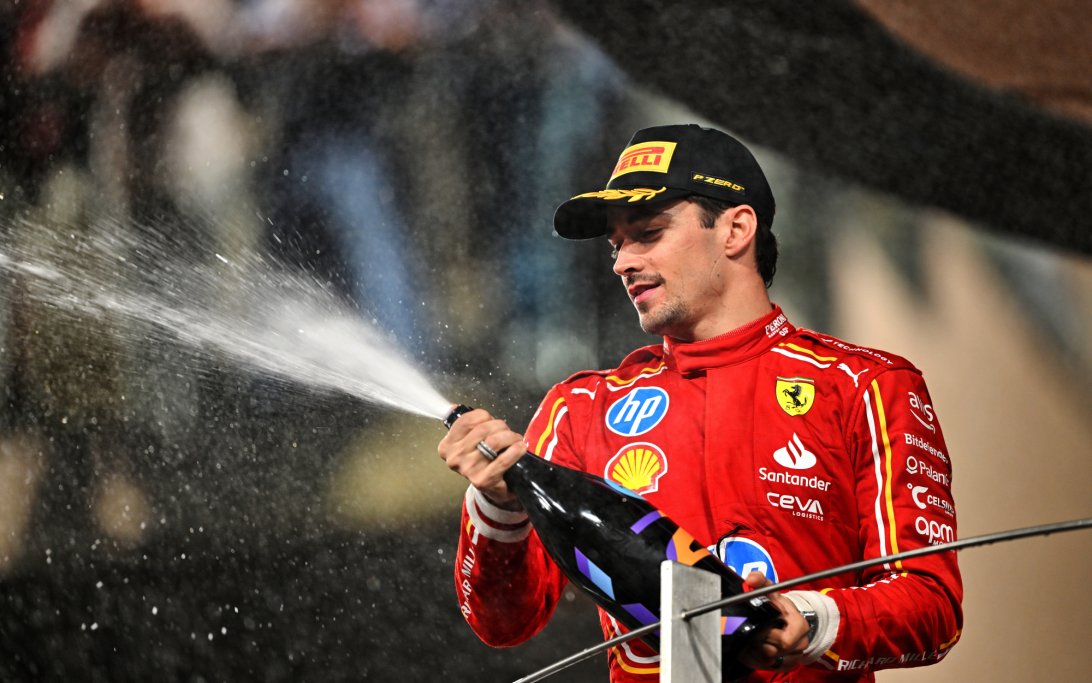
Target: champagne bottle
x: 610, y: 542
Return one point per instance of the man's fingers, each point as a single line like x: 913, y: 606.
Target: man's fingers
x: 779, y: 648
x: 757, y: 580
x: 469, y: 447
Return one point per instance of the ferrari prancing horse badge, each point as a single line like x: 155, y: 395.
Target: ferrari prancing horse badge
x: 795, y: 395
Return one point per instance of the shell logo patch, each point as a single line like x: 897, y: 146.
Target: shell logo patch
x: 638, y: 467
x: 795, y: 395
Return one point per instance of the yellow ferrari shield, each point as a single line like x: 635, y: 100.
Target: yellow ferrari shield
x: 795, y: 395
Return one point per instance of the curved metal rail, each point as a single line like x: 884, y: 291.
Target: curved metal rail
x: 974, y: 541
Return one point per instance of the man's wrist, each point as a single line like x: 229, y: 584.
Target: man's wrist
x: 511, y: 505
x: 496, y: 523
x: 822, y: 624
x: 813, y: 623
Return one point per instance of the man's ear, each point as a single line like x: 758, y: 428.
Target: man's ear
x: 740, y: 225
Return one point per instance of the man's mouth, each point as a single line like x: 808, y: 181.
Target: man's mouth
x: 641, y: 291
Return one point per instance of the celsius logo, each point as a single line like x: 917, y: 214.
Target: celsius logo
x: 638, y: 411
x: 744, y: 556
x: 795, y: 456
x: 936, y: 532
x: 916, y: 492
x: 923, y: 499
x: 922, y: 412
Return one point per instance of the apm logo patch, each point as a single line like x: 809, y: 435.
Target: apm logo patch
x: 638, y: 411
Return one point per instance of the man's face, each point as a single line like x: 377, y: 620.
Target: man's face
x: 670, y: 265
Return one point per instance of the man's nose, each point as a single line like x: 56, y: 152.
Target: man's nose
x: 626, y: 262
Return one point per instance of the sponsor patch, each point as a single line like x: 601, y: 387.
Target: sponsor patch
x: 795, y: 455
x: 777, y: 326
x: 922, y: 412
x: 652, y: 156
x: 745, y: 556
x: 713, y: 180
x: 808, y: 508
x: 795, y: 395
x: 915, y: 465
x: 917, y: 441
x: 638, y: 412
x: 935, y: 532
x: 793, y: 479
x: 638, y: 467
x: 855, y: 375
x: 924, y: 500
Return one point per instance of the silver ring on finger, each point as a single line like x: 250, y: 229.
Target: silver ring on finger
x: 485, y: 450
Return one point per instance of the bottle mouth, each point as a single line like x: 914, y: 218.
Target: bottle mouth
x: 455, y: 413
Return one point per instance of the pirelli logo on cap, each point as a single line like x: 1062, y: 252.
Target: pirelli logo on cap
x: 653, y: 156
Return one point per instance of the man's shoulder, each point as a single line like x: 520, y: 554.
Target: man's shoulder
x: 643, y: 362
x: 827, y: 351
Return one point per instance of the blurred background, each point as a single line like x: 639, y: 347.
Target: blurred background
x: 169, y: 513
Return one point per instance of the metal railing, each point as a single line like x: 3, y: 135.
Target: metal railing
x: 686, y: 653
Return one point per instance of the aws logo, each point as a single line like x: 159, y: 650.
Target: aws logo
x: 638, y: 467
x: 638, y: 411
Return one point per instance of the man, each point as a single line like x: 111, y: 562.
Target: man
x: 786, y: 451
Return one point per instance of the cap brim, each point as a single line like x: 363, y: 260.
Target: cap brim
x: 585, y: 216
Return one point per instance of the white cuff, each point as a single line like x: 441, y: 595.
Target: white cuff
x: 827, y: 618
x: 496, y: 523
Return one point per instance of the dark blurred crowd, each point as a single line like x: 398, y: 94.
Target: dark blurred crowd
x: 398, y: 145
x: 409, y: 152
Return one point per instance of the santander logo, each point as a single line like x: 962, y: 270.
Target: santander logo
x: 794, y: 455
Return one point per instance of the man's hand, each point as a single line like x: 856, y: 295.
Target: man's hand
x: 778, y: 649
x: 459, y: 449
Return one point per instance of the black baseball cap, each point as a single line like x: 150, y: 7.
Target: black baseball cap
x: 670, y: 162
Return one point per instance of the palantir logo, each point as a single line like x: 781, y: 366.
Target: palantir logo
x: 794, y: 455
x: 638, y: 411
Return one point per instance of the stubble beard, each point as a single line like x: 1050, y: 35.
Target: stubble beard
x: 664, y: 319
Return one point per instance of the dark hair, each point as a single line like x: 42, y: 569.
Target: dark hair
x: 765, y: 240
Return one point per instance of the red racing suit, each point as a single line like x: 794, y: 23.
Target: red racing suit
x: 784, y: 451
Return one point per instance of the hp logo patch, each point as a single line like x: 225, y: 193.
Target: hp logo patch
x: 638, y: 411
x: 745, y: 556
